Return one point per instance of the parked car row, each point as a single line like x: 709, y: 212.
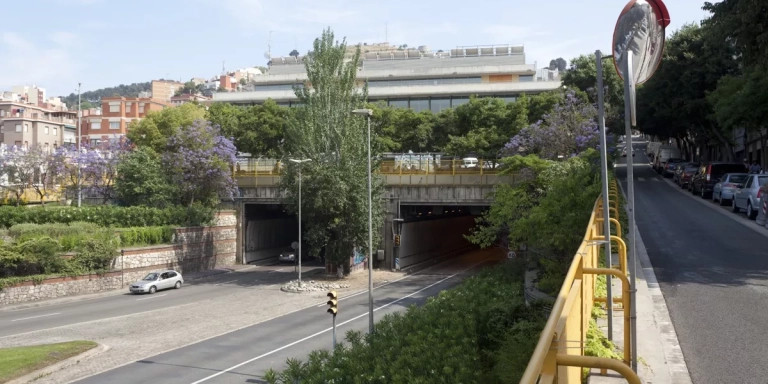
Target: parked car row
x: 724, y: 183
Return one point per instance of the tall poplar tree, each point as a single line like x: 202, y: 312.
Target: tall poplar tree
x: 335, y: 183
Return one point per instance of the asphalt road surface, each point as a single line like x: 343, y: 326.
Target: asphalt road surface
x: 35, y: 317
x: 712, y: 267
x: 244, y: 355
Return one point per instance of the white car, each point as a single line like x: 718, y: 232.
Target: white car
x: 155, y: 281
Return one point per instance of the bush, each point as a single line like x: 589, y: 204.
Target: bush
x: 146, y: 235
x: 43, y: 253
x: 95, y: 255
x: 479, y: 332
x: 108, y: 216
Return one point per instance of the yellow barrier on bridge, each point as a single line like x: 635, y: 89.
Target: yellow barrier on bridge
x: 559, y: 354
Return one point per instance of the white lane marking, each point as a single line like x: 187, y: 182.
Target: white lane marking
x: 35, y: 317
x: 318, y: 333
x: 152, y: 297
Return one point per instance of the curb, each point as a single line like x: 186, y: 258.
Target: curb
x: 66, y: 363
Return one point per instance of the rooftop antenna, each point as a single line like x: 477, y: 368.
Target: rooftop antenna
x: 268, y: 53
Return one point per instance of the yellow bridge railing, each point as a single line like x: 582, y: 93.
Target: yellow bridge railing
x: 559, y: 354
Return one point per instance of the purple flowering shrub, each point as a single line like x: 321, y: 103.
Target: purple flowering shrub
x: 568, y: 130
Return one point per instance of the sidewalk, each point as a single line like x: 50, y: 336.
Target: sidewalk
x: 660, y: 359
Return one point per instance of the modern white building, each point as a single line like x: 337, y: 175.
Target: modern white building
x: 412, y: 78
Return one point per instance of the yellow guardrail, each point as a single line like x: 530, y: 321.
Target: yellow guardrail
x: 559, y: 354
x: 271, y: 167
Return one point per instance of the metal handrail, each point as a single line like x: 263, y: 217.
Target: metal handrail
x: 569, y: 320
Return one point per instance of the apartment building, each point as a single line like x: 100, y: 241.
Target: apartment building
x: 116, y: 114
x: 163, y: 90
x: 415, y: 78
x: 188, y: 98
x: 27, y: 125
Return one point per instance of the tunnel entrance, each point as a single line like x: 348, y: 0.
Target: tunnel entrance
x: 429, y: 234
x: 268, y: 229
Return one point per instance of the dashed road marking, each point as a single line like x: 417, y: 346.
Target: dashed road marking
x: 35, y: 317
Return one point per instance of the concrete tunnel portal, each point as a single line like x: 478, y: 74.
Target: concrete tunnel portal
x: 427, y: 234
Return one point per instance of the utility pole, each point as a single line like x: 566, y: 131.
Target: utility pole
x: 79, y: 139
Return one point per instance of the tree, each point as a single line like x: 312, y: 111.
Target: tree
x: 98, y: 168
x: 582, y: 75
x: 673, y: 103
x: 567, y: 131
x: 334, y: 184
x: 257, y: 129
x: 484, y: 125
x: 18, y: 166
x: 142, y: 180
x: 559, y: 64
x: 294, y: 53
x: 155, y: 129
x: 199, y: 161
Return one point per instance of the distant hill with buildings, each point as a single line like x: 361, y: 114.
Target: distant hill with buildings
x: 94, y: 97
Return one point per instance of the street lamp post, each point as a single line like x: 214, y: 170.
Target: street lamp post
x: 79, y: 138
x: 367, y: 113
x: 299, y: 162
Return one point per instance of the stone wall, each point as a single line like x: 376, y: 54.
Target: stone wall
x: 195, y: 249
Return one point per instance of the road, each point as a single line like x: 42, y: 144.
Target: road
x: 33, y: 318
x: 244, y: 355
x: 712, y: 268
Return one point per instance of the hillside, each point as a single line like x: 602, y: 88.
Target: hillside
x: 93, y: 98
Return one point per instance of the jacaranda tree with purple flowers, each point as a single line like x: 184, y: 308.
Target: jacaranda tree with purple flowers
x: 198, y: 161
x: 568, y: 130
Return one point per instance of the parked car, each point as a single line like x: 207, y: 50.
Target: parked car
x: 707, y: 176
x: 683, y: 173
x: 748, y: 197
x: 668, y: 168
x: 723, y: 191
x: 664, y: 153
x: 155, y: 281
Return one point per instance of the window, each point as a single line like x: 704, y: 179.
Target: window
x: 114, y: 125
x: 456, y: 101
x: 438, y: 105
x: 398, y: 103
x: 55, y: 131
x: 114, y: 107
x: 141, y: 108
x: 2, y: 112
x: 128, y: 106
x: 525, y: 78
x: 95, y: 124
x: 47, y: 130
x: 26, y: 127
x: 17, y: 144
x: 418, y: 105
x: 18, y: 127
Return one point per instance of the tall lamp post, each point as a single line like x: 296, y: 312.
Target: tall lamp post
x: 367, y: 113
x: 79, y: 138
x: 299, y: 162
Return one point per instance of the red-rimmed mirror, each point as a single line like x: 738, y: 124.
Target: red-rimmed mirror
x: 640, y: 29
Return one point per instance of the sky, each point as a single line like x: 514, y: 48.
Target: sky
x: 56, y: 44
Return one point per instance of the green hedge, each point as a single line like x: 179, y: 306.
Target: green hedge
x: 107, y: 216
x: 146, y: 235
x: 480, y: 332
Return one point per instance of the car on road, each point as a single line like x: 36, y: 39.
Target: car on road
x: 683, y: 173
x: 664, y: 153
x: 748, y: 197
x: 723, y: 191
x: 158, y: 280
x: 287, y: 255
x: 703, y: 182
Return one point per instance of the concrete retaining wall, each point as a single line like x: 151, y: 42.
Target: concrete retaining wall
x: 195, y: 249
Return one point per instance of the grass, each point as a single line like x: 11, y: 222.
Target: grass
x: 19, y: 361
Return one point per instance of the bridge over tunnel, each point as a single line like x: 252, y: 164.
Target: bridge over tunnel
x: 413, y: 235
